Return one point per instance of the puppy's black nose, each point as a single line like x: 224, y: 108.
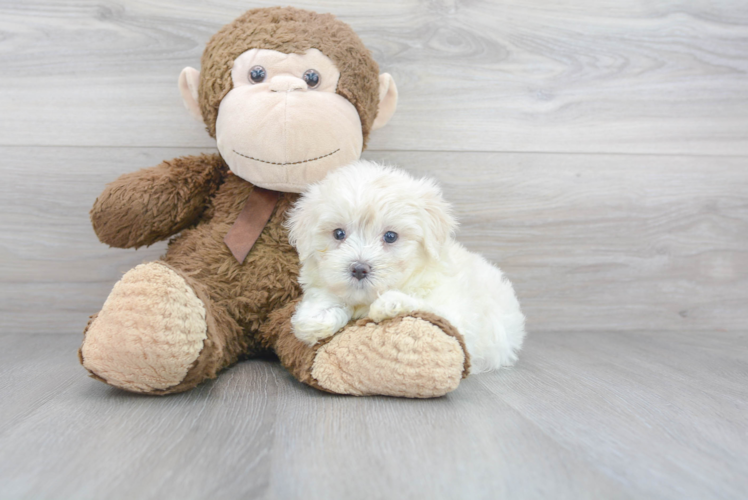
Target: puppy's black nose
x: 359, y: 270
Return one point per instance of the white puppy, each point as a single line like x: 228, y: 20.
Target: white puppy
x: 376, y: 242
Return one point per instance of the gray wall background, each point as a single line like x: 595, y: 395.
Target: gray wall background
x: 596, y: 150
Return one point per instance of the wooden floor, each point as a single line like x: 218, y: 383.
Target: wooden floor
x: 585, y: 415
x: 597, y: 150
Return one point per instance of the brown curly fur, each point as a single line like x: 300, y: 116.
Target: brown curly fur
x: 248, y: 305
x: 291, y: 31
x: 200, y: 197
x: 143, y: 207
x: 199, y: 193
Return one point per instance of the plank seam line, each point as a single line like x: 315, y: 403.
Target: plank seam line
x: 451, y: 151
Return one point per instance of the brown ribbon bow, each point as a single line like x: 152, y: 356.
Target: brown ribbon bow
x: 251, y: 221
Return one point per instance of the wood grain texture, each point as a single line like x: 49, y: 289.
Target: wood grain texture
x: 592, y: 76
x: 583, y: 415
x: 591, y: 242
x: 595, y: 150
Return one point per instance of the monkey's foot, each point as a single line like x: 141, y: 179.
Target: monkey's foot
x: 149, y: 333
x: 417, y: 356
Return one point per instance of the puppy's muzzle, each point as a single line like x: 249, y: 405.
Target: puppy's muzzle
x: 359, y: 270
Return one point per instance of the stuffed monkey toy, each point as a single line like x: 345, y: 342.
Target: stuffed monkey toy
x: 289, y: 95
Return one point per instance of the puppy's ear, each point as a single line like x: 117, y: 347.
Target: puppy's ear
x: 301, y: 224
x: 438, y: 223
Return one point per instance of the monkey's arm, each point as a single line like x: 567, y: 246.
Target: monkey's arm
x: 143, y: 207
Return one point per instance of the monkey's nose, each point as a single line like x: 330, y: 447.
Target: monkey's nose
x: 359, y: 270
x: 286, y: 83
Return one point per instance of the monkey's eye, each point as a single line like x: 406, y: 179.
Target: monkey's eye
x: 257, y: 74
x: 390, y: 237
x: 338, y: 234
x: 312, y: 78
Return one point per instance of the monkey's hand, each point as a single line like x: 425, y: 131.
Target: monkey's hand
x: 391, y: 303
x: 143, y: 207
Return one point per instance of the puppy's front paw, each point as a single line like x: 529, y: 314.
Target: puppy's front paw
x: 312, y: 326
x: 392, y: 303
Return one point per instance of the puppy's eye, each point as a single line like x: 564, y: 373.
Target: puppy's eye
x: 312, y: 78
x: 338, y: 234
x: 257, y: 74
x: 390, y: 237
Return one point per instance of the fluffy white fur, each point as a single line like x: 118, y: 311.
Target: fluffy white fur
x: 425, y: 269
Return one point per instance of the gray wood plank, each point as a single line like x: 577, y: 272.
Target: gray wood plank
x: 466, y: 445
x: 606, y: 242
x: 93, y: 441
x: 642, y: 406
x: 583, y: 415
x: 632, y: 268
x: 34, y: 369
x: 595, y: 76
x: 592, y: 242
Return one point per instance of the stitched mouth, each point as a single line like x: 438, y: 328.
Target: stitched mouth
x: 287, y: 163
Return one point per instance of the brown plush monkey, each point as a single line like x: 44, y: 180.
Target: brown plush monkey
x: 289, y: 95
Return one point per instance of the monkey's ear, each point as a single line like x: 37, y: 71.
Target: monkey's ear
x: 387, y: 101
x: 189, y: 80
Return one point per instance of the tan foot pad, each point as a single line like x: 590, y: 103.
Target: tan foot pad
x: 406, y: 356
x: 149, y: 332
